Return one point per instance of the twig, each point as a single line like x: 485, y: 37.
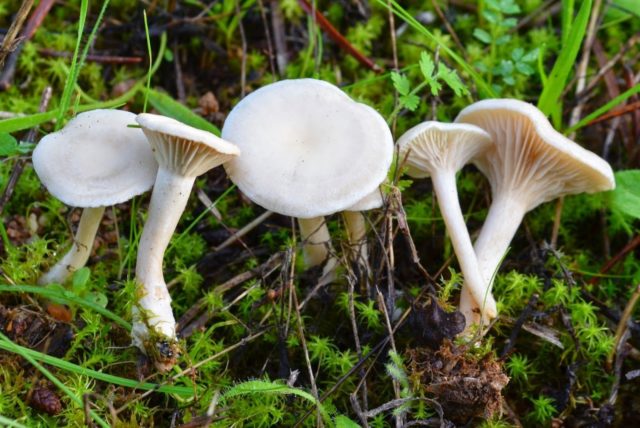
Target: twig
x: 291, y: 287
x: 9, y: 43
x: 526, y: 313
x: 334, y: 34
x: 182, y: 95
x: 356, y: 338
x: 244, y: 230
x: 19, y: 166
x: 267, y: 35
x: 449, y: 28
x: 102, y: 59
x: 623, y: 324
x: 35, y: 20
x: 279, y: 37
x: 617, y: 258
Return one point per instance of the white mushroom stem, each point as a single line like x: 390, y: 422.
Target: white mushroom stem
x: 444, y: 185
x: 168, y: 201
x: 79, y: 253
x: 316, y: 240
x: 356, y: 234
x: 502, y: 222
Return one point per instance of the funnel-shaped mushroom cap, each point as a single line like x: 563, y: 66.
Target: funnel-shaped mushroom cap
x: 440, y: 146
x: 530, y: 157
x: 96, y: 160
x: 183, y: 149
x: 307, y: 148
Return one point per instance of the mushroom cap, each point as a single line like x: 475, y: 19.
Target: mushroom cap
x: 184, y: 149
x: 96, y: 160
x: 531, y: 158
x: 434, y: 146
x: 370, y: 202
x: 307, y: 148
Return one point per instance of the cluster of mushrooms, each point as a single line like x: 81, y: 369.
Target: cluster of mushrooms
x: 303, y: 148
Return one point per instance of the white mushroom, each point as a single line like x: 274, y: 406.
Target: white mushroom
x: 308, y: 150
x: 530, y: 163
x: 96, y: 160
x: 440, y: 150
x: 183, y: 153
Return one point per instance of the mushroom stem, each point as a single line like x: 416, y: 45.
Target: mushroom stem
x: 502, y: 223
x: 444, y: 184
x: 168, y: 201
x: 316, y: 239
x: 79, y: 252
x: 356, y: 235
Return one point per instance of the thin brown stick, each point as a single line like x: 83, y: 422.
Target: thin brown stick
x: 101, y: 59
x: 623, y: 324
x: 243, y: 60
x: 20, y: 163
x: 9, y: 43
x: 334, y: 34
x: 34, y: 22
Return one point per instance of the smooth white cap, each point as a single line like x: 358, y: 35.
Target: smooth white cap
x: 434, y: 146
x: 96, y: 160
x: 184, y: 149
x: 307, y: 148
x: 531, y: 158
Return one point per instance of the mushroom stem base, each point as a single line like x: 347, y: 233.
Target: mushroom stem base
x: 79, y: 253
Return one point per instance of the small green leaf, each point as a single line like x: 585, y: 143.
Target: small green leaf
x: 80, y: 280
x: 426, y: 65
x: 482, y: 35
x: 509, y: 23
x: 8, y: 144
x: 517, y: 54
x: 98, y: 298
x: 626, y: 196
x: 531, y: 56
x: 172, y: 108
x: 409, y: 101
x: 503, y: 40
x: 450, y: 77
x: 524, y: 68
x: 344, y: 422
x: 401, y: 83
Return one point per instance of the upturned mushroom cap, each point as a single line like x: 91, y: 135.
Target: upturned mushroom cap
x: 530, y: 157
x: 96, y: 160
x: 433, y: 146
x: 307, y: 148
x: 183, y: 149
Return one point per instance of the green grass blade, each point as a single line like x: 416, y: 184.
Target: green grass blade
x: 484, y: 88
x: 566, y: 19
x: 25, y: 122
x: 66, y: 296
x: 555, y: 84
x: 605, y: 108
x: 9, y: 346
x: 150, y: 53
x: 10, y: 423
x: 65, y: 99
x: 21, y: 351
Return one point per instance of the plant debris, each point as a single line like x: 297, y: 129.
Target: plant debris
x: 464, y: 386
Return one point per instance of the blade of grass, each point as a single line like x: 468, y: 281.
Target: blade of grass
x: 10, y: 423
x: 9, y: 346
x: 150, y: 53
x: 65, y: 99
x: 24, y: 122
x: 68, y: 297
x: 554, y: 87
x: 21, y: 351
x: 566, y: 19
x: 605, y: 108
x: 485, y: 89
